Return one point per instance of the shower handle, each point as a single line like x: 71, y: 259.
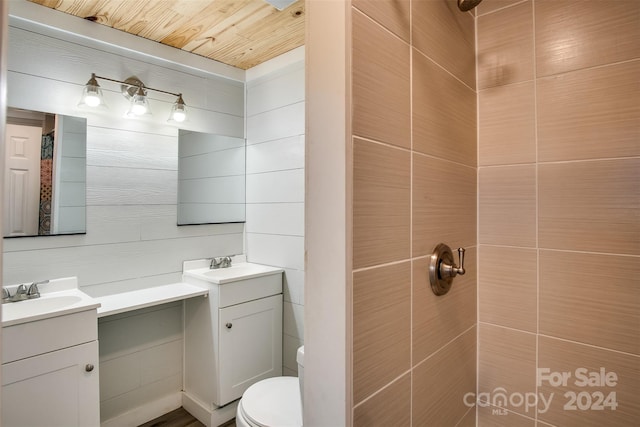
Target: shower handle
x: 452, y: 270
x: 442, y: 268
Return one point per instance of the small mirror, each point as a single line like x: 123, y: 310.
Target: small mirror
x: 211, y: 178
x: 44, y: 174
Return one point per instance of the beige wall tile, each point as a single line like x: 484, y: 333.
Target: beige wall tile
x: 380, y: 72
x: 507, y: 133
x: 439, y: 319
x: 507, y: 204
x: 591, y: 298
x: 505, y: 46
x: 563, y: 356
x: 381, y: 203
x: 381, y: 327
x: 590, y: 206
x: 491, y: 416
x: 453, y: 370
x: 508, y: 287
x: 444, y: 204
x: 446, y: 36
x: 488, y: 6
x: 390, y: 407
x: 507, y: 365
x: 590, y: 114
x: 571, y: 36
x: 444, y: 113
x: 469, y: 419
x: 393, y: 15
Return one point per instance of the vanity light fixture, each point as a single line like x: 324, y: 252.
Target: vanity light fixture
x: 136, y: 92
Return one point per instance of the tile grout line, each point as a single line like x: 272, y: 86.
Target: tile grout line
x: 478, y: 265
x: 411, y: 178
x: 535, y: 126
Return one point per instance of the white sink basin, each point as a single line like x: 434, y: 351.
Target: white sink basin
x: 39, y: 305
x: 48, y: 305
x: 239, y: 271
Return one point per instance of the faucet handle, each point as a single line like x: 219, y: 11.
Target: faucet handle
x: 443, y: 269
x: 33, y: 291
x: 20, y: 295
x: 5, y: 295
x: 460, y: 269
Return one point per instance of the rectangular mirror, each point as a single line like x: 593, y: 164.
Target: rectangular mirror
x: 211, y: 178
x: 44, y: 174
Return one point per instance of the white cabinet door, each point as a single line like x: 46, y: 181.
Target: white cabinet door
x: 250, y: 345
x: 60, y: 388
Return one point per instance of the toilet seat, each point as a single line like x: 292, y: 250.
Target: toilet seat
x: 274, y: 402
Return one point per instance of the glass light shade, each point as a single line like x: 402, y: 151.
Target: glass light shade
x: 139, y: 104
x: 92, y: 94
x: 178, y: 111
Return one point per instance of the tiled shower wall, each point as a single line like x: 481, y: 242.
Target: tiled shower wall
x: 275, y: 184
x: 414, y: 186
x: 559, y: 202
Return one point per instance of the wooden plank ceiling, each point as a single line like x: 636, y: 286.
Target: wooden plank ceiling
x: 241, y: 33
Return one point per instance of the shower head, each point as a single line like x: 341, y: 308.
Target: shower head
x: 465, y: 5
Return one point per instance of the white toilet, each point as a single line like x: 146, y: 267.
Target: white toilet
x: 274, y: 402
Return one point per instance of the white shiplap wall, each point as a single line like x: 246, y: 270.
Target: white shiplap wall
x: 275, y: 183
x: 132, y: 240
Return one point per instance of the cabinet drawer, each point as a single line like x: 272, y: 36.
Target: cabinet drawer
x: 42, y: 336
x: 250, y: 289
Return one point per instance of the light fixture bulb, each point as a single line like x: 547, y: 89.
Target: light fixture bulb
x: 92, y: 99
x: 92, y: 94
x: 179, y: 116
x: 138, y: 108
x: 178, y: 110
x: 139, y: 103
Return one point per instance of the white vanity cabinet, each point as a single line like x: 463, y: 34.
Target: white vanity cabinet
x: 250, y: 343
x: 233, y: 338
x: 50, y: 372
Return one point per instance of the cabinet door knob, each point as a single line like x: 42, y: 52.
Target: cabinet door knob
x: 229, y: 325
x: 88, y: 367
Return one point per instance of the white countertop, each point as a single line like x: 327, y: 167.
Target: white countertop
x: 134, y: 300
x: 237, y: 271
x: 59, y: 297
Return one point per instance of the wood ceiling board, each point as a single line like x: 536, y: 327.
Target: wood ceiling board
x: 241, y: 33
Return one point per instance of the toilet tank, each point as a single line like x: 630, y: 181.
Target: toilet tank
x: 300, y: 360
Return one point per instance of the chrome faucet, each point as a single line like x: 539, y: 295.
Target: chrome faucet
x: 220, y: 262
x: 22, y: 293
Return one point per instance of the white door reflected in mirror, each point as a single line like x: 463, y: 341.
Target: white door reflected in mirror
x: 22, y: 180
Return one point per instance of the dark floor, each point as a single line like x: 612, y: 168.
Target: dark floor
x: 180, y: 418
